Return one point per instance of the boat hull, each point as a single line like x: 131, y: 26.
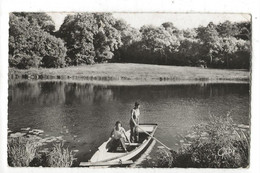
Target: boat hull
x: 103, y: 156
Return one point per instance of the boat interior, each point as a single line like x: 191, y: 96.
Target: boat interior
x: 105, y: 153
x: 116, y: 147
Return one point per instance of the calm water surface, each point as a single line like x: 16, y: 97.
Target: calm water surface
x: 84, y: 114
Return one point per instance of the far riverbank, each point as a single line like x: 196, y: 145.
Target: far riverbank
x: 133, y: 73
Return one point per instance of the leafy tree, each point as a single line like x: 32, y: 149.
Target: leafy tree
x: 168, y: 26
x: 108, y: 39
x: 229, y: 47
x: 244, y: 30
x: 211, y: 42
x: 78, y: 33
x: 189, y: 52
x: 30, y: 46
x: 242, y: 55
x: 128, y: 34
x: 90, y: 37
x: 227, y: 29
x: 43, y: 20
x: 190, y: 33
x: 129, y: 38
x: 158, y: 43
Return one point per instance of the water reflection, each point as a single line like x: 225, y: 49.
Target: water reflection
x: 85, y: 113
x: 49, y: 93
x: 45, y: 93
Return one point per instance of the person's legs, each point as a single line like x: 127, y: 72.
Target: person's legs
x: 136, y: 134
x: 123, y: 143
x: 132, y: 138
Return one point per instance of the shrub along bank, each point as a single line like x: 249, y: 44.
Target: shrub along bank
x: 217, y: 144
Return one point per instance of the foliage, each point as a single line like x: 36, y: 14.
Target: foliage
x: 60, y: 157
x: 20, y: 151
x: 30, y: 46
x: 90, y: 37
x: 165, y: 158
x: 217, y: 144
x: 221, y: 44
x: 25, y: 151
x: 211, y: 42
x: 153, y: 46
x: 42, y: 20
x: 24, y: 61
x: 99, y: 37
x: 216, y: 46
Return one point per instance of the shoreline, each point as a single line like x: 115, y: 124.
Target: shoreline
x: 131, y: 83
x: 132, y: 74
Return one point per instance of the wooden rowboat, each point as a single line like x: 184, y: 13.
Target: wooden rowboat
x: 104, y: 157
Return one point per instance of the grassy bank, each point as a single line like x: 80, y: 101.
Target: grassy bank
x: 132, y: 72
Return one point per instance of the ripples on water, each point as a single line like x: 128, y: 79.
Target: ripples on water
x: 84, y: 114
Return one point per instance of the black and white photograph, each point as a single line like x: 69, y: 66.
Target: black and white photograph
x: 129, y: 89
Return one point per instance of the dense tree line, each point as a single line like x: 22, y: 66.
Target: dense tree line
x: 226, y: 45
x: 88, y: 38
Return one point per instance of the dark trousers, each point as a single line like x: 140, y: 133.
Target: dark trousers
x: 134, y: 134
x: 122, y: 141
x: 114, y: 143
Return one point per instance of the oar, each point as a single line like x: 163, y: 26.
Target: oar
x: 171, y: 150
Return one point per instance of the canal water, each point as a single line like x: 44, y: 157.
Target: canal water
x: 84, y: 114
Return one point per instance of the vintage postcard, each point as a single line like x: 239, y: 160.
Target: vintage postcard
x: 108, y: 89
